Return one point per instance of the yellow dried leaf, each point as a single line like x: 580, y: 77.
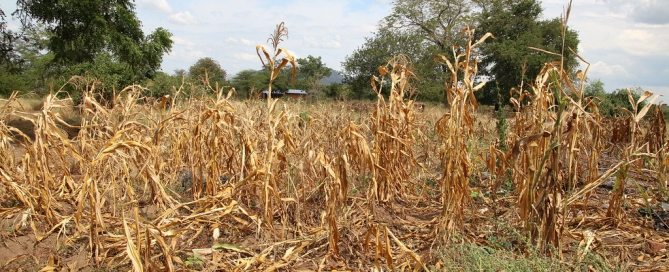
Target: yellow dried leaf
x: 131, y: 250
x: 645, y: 109
x: 643, y: 97
x: 383, y: 71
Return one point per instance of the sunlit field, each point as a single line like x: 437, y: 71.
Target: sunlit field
x: 217, y: 183
x: 460, y: 136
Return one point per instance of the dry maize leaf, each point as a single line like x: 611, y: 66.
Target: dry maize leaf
x: 275, y: 266
x: 261, y: 48
x: 402, y: 246
x: 383, y: 71
x: 131, y: 250
x: 630, y: 98
x: 387, y: 249
x: 515, y: 102
x: 645, y: 109
x: 544, y: 51
x: 482, y: 39
x: 643, y: 97
x: 235, y: 248
x: 277, y: 70
x: 479, y: 86
x: 48, y: 268
x: 202, y: 251
x: 445, y: 60
x: 216, y: 234
x: 584, y: 245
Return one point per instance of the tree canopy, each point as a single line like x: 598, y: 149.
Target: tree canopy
x: 422, y: 29
x: 438, y: 22
x: 377, y: 50
x: 508, y: 59
x: 88, y: 37
x: 209, y: 68
x: 311, y: 71
x: 250, y: 82
x: 7, y: 41
x: 81, y: 30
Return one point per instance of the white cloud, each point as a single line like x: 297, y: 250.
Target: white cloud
x: 185, y: 52
x: 184, y: 18
x: 163, y: 6
x: 13, y: 26
x: 246, y: 56
x: 323, y: 42
x: 625, y: 50
x: 246, y: 42
x: 160, y: 5
x: 187, y: 56
x: 652, y: 12
x: 602, y: 69
x: 644, y: 41
x: 240, y: 41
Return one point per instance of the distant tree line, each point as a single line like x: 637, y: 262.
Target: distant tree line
x: 103, y: 40
x: 421, y: 29
x: 613, y: 103
x: 207, y: 72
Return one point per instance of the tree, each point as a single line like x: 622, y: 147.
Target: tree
x: 162, y: 84
x: 83, y: 29
x: 338, y: 91
x: 611, y: 104
x: 207, y: 67
x: 8, y: 39
x: 437, y: 21
x: 507, y: 59
x: 29, y: 69
x: 595, y: 88
x: 81, y: 32
x: 180, y: 73
x: 248, y: 81
x: 377, y: 51
x: 311, y: 71
x: 419, y: 29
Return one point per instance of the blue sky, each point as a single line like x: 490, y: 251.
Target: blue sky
x: 625, y: 41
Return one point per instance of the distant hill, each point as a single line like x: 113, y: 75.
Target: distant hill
x: 335, y: 77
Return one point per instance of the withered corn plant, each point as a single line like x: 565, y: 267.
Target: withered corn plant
x: 630, y: 152
x: 393, y: 128
x: 551, y: 127
x: 594, y: 137
x: 277, y: 137
x: 657, y: 144
x: 533, y: 159
x: 455, y: 128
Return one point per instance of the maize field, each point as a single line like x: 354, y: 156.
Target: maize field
x: 217, y: 184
